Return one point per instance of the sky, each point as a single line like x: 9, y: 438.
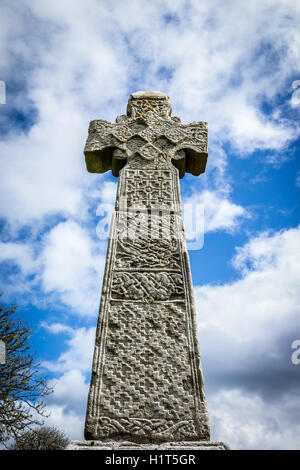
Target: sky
x: 233, y: 64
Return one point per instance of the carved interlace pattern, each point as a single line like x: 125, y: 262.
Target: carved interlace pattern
x: 148, y: 287
x: 143, y: 254
x: 147, y: 380
x: 148, y: 188
x: 148, y: 370
x: 148, y: 132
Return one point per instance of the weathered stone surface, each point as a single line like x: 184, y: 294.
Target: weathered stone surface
x: 148, y: 132
x: 147, y: 383
x: 114, y: 445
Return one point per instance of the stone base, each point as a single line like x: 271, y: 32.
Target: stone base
x: 115, y: 445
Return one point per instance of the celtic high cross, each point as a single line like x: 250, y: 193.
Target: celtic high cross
x: 147, y: 383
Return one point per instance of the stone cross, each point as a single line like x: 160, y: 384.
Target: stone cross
x: 147, y: 383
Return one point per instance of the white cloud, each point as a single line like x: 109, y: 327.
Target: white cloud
x: 72, y: 267
x: 43, y: 171
x: 245, y: 421
x: 106, y: 193
x: 66, y: 266
x: 267, y: 293
x: 78, y: 355
x: 251, y: 130
x: 269, y: 252
x: 66, y: 420
x: 19, y: 254
x: 56, y: 327
x: 20, y: 270
x: 218, y: 211
x: 70, y: 390
x: 246, y: 329
x: 80, y: 63
x: 67, y: 403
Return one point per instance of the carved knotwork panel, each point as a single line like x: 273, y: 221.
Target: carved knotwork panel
x: 148, y: 239
x: 149, y: 188
x: 147, y: 366
x: 148, y: 287
x: 145, y: 254
x: 159, y: 135
x: 147, y: 133
x: 147, y: 381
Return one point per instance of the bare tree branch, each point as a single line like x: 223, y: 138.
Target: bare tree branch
x: 22, y: 388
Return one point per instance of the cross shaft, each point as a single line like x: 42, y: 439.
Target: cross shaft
x: 147, y: 383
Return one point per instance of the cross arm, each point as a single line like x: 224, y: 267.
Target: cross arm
x: 190, y: 154
x: 109, y: 145
x: 103, y: 151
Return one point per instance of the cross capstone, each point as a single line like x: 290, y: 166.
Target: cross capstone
x: 147, y: 132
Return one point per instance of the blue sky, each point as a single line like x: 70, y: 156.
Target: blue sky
x: 232, y: 65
